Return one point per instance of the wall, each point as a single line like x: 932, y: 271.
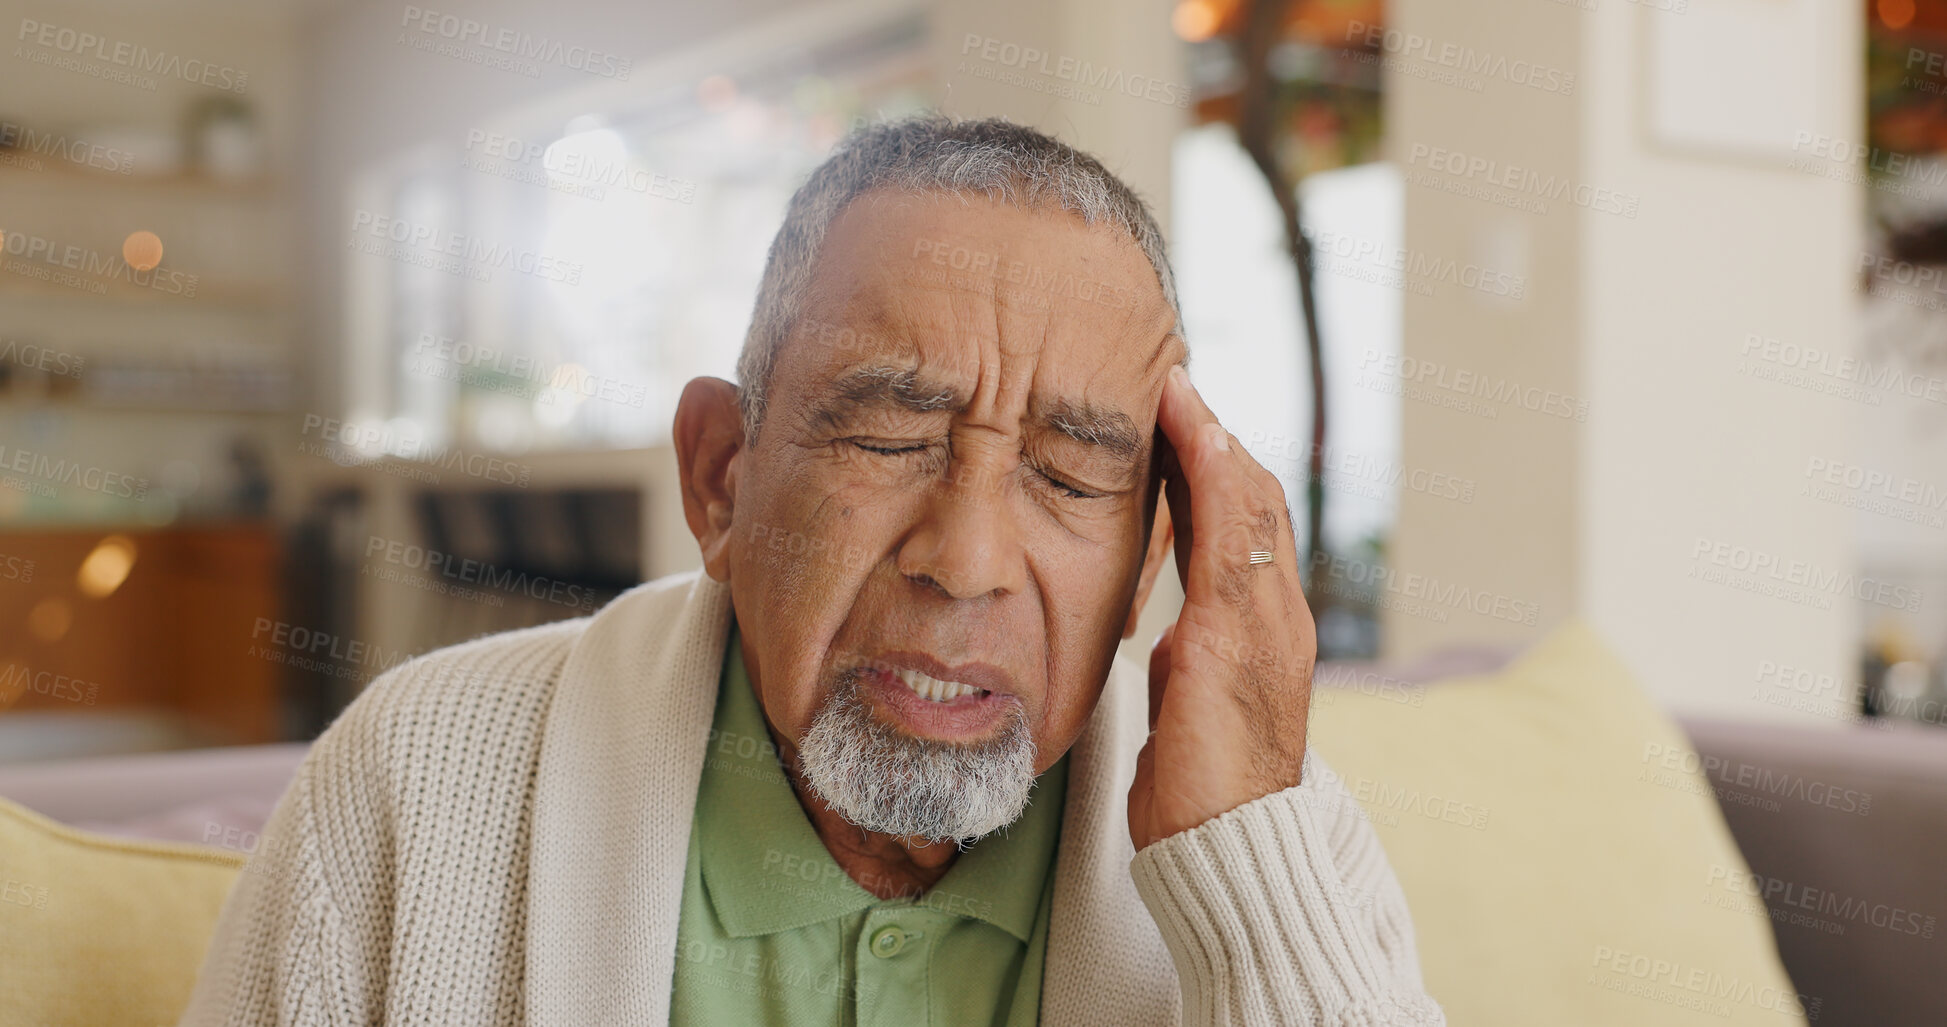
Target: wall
x: 1640, y: 320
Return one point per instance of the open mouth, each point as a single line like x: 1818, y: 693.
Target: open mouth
x: 932, y: 689
x: 948, y: 704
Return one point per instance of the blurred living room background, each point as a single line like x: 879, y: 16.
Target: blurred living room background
x: 335, y: 332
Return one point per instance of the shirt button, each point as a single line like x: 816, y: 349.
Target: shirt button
x: 887, y: 942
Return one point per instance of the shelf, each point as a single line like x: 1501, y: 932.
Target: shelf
x: 93, y: 406
x: 209, y: 295
x: 55, y: 174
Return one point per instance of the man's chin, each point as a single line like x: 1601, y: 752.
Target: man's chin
x: 882, y: 778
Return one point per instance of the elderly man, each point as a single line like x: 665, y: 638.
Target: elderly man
x: 876, y: 763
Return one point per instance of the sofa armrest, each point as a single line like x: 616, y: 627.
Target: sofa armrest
x: 1844, y: 831
x: 106, y: 790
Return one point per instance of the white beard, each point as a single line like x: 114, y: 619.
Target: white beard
x: 883, y: 781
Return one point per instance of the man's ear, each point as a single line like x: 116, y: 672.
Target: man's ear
x: 709, y: 436
x: 1161, y: 535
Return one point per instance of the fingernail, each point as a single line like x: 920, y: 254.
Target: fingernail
x: 1219, y: 438
x: 1179, y: 375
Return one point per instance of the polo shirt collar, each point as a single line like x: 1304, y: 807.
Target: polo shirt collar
x: 765, y: 869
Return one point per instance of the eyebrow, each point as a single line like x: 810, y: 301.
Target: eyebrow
x: 885, y: 384
x: 903, y: 387
x: 1113, y: 430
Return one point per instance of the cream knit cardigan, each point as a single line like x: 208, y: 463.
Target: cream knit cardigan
x: 495, y: 833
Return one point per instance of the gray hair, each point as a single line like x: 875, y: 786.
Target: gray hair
x: 1003, y: 161
x: 891, y: 783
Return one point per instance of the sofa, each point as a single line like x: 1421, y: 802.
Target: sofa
x: 1848, y: 895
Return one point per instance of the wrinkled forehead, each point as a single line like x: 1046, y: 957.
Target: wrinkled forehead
x: 968, y: 285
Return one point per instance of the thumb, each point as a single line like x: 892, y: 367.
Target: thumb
x: 1159, y: 671
x: 1141, y: 794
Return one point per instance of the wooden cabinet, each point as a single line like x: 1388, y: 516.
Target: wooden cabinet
x: 187, y: 633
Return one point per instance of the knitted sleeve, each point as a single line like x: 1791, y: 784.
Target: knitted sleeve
x: 278, y: 955
x: 1285, y: 911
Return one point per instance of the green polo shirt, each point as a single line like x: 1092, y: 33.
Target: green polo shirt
x: 774, y: 932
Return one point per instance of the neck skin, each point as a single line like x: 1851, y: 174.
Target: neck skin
x: 886, y: 865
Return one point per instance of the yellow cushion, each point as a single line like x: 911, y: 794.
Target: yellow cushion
x: 1561, y: 864
x: 97, y: 930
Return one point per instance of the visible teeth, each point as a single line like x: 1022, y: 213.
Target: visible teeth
x: 928, y: 687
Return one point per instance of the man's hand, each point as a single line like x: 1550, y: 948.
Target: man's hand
x: 1230, y: 681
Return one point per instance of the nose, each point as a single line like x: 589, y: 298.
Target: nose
x: 967, y: 543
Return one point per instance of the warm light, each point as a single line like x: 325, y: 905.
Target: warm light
x: 1195, y: 20
x: 1896, y: 14
x: 716, y: 93
x: 107, y: 567
x: 142, y: 250
x: 50, y: 619
x: 16, y: 679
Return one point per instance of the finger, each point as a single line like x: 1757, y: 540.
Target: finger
x: 1161, y: 535
x: 1142, y: 792
x: 1159, y: 671
x: 1224, y: 504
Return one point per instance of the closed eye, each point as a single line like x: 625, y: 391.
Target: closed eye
x: 884, y: 447
x: 895, y: 449
x: 1066, y: 489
